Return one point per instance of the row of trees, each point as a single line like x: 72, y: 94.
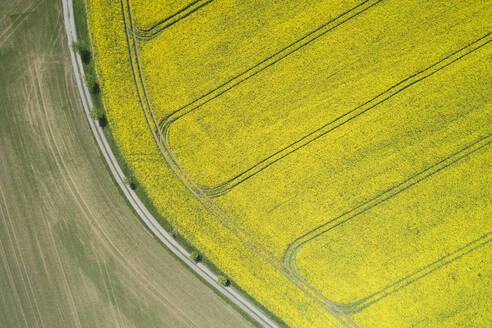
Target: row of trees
x: 84, y: 50
x: 97, y: 113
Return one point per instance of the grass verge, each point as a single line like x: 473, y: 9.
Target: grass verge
x: 98, y: 110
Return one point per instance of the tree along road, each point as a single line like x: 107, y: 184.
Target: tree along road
x: 144, y: 214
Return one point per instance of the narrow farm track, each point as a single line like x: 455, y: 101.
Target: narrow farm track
x: 72, y: 251
x: 146, y: 217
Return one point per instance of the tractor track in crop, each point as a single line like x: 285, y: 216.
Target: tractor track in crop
x: 265, y: 63
x: 357, y: 306
x: 293, y: 249
x: 422, y: 272
x: 223, y: 188
x: 21, y: 17
x: 152, y: 32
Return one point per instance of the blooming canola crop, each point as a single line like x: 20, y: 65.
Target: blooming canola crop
x: 331, y: 158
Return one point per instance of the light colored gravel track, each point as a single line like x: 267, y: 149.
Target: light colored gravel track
x: 144, y: 214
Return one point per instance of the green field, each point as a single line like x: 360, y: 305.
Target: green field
x: 72, y: 253
x: 333, y: 159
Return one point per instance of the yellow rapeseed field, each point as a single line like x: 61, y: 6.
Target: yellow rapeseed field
x: 226, y: 38
x: 436, y: 300
x: 406, y: 237
x: 386, y: 145
x: 335, y: 156
x: 325, y: 79
x: 131, y: 132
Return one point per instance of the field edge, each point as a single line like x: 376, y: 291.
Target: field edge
x: 83, y: 34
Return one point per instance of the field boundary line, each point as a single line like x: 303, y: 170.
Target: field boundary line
x: 150, y: 33
x: 230, y: 293
x: 223, y: 188
x: 147, y: 218
x: 265, y: 63
x: 201, y: 197
x: 294, y: 248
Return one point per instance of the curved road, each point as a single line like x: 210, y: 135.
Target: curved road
x: 144, y: 214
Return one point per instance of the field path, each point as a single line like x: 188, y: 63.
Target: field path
x: 138, y: 206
